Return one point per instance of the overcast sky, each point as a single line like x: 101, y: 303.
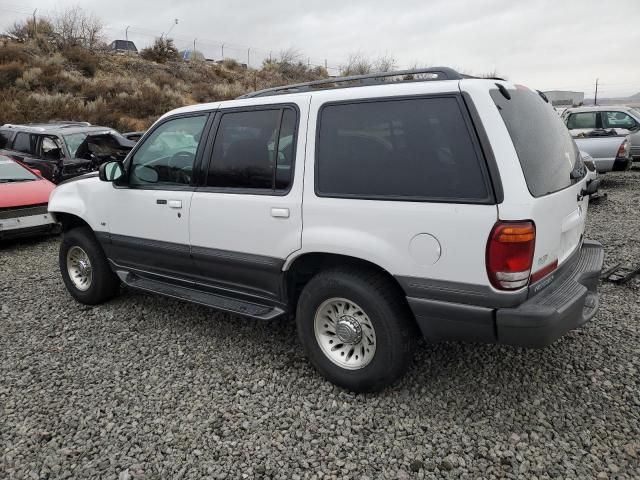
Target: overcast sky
x: 544, y: 44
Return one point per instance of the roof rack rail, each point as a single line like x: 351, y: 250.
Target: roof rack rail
x: 424, y: 74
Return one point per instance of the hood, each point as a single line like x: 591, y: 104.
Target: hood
x: 23, y: 194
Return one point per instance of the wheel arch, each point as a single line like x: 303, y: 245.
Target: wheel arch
x: 69, y: 221
x: 299, y: 270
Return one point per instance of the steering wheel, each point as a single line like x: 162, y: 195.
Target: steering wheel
x: 180, y: 167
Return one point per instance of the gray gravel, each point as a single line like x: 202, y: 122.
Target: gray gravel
x: 148, y: 387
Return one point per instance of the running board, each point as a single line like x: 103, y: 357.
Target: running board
x: 219, y: 302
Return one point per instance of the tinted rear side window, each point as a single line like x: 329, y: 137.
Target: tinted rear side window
x: 410, y: 149
x: 25, y: 143
x: 5, y: 138
x: 254, y: 150
x: 546, y: 151
x: 582, y: 120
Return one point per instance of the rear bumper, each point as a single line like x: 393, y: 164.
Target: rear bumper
x: 567, y: 303
x: 622, y: 164
x: 567, y: 299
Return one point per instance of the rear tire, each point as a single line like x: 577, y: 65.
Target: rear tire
x: 85, y: 269
x: 356, y: 328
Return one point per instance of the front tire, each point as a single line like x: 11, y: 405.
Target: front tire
x: 85, y: 269
x: 356, y: 328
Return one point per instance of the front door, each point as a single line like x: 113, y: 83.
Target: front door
x: 149, y: 213
x: 247, y: 218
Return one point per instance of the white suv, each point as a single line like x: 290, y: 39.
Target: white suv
x: 422, y: 201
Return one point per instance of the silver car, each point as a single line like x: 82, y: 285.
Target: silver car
x: 606, y: 117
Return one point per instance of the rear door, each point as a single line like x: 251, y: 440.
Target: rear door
x: 246, y: 217
x: 554, y: 174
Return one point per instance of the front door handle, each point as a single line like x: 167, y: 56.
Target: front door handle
x: 280, y: 212
x: 175, y: 203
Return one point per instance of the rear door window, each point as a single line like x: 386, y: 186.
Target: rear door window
x: 582, y: 120
x: 254, y: 150
x: 25, y: 143
x: 408, y: 149
x: 547, y: 153
x: 5, y: 138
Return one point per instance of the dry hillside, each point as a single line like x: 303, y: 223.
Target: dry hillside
x: 124, y: 92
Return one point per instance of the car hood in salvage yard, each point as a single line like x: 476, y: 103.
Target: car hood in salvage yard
x: 22, y: 194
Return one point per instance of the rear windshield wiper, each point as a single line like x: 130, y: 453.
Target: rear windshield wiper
x: 11, y: 180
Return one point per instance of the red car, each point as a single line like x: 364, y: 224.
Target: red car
x: 24, y: 196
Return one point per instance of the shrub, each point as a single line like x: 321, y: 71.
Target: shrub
x: 13, y: 52
x: 163, y: 50
x: 82, y: 59
x: 9, y: 73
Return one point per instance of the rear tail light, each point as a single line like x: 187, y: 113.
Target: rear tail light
x: 510, y: 254
x: 623, y: 151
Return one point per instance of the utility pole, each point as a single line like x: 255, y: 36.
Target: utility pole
x: 595, y: 100
x: 175, y: 22
x: 248, y: 59
x: 193, y: 54
x: 35, y: 24
x: 222, y: 52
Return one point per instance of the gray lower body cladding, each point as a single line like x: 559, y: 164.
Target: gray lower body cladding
x: 568, y: 299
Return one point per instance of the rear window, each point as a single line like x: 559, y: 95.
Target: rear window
x: 410, y: 149
x: 547, y: 153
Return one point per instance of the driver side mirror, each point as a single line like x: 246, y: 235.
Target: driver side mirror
x: 110, y: 171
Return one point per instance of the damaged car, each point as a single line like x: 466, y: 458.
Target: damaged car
x: 63, y: 150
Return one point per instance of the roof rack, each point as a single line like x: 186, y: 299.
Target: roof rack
x: 415, y: 75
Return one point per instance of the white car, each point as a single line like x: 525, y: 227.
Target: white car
x: 371, y: 210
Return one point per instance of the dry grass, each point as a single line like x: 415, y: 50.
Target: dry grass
x: 124, y: 92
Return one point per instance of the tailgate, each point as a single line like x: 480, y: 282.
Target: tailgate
x: 553, y: 171
x: 560, y: 220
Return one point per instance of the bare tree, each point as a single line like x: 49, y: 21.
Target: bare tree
x: 77, y: 27
x: 385, y: 63
x: 290, y: 56
x: 30, y: 29
x: 359, y: 64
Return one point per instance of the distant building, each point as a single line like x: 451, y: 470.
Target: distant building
x: 563, y: 98
x: 123, y: 46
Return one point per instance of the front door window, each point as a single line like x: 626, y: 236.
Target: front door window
x: 166, y: 157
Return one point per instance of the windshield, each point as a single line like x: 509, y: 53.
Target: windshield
x: 548, y: 155
x: 73, y: 141
x: 12, y: 172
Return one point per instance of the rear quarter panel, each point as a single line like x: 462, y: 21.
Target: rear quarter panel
x: 440, y: 241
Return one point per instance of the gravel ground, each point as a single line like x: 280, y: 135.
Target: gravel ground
x: 148, y: 387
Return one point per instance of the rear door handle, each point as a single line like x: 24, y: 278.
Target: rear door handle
x: 175, y: 203
x: 280, y: 212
